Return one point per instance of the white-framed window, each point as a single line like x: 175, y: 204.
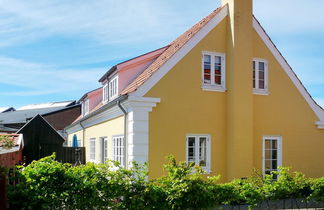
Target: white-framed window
x: 260, y: 76
x: 92, y: 149
x: 198, y: 150
x: 104, y: 143
x: 85, y: 107
x: 118, y: 149
x: 113, y: 88
x: 213, y: 71
x: 105, y: 93
x: 272, y: 153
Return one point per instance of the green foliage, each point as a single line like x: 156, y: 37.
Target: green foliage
x: 6, y: 142
x: 48, y: 184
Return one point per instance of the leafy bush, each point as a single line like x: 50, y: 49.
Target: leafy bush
x: 48, y: 184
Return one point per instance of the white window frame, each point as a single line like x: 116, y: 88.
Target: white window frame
x: 257, y: 90
x: 105, y: 153
x: 207, y: 168
x: 118, y: 149
x: 279, y: 151
x: 105, y: 90
x: 85, y: 107
x: 92, y: 150
x: 213, y: 86
x: 113, y: 88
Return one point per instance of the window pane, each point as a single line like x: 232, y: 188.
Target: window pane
x: 273, y: 154
x: 207, y: 69
x: 274, y: 164
x: 191, y: 149
x: 267, y: 144
x: 274, y: 144
x: 261, y: 75
x: 217, y: 70
x: 267, y: 165
x: 218, y: 80
x: 267, y: 154
x: 261, y: 66
x: 261, y: 84
x: 217, y: 60
x: 202, y: 151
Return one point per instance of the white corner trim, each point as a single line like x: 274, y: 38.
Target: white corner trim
x: 320, y: 124
x: 166, y: 67
x: 281, y: 60
x: 138, y: 109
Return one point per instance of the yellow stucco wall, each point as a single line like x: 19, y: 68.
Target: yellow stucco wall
x: 186, y: 109
x: 109, y: 129
x: 285, y: 112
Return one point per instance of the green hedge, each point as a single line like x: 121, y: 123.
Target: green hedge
x: 48, y: 184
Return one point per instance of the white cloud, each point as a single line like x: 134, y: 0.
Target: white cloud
x: 107, y: 21
x: 39, y: 79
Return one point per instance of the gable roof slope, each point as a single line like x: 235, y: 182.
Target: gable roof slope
x: 174, y: 47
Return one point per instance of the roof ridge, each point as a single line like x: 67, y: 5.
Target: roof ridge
x: 174, y: 47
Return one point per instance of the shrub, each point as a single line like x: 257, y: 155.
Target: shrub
x: 48, y: 184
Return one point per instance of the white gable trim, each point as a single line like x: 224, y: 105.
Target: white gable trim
x: 186, y: 48
x: 281, y: 60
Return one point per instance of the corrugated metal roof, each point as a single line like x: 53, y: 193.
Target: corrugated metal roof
x: 21, y: 116
x: 45, y: 105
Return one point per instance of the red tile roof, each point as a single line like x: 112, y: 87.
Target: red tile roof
x: 168, y: 53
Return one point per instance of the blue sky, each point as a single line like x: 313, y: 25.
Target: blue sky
x: 56, y: 50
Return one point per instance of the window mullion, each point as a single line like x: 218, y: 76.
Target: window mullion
x: 212, y: 69
x: 257, y: 74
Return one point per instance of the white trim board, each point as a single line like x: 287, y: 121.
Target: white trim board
x: 283, y: 63
x: 183, y: 51
x: 140, y: 103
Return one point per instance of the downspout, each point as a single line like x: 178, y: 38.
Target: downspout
x: 125, y: 132
x: 83, y: 134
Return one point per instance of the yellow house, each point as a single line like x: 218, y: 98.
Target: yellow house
x: 221, y: 95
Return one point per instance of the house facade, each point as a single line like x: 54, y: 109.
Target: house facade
x: 221, y: 95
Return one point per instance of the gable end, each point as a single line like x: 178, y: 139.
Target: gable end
x: 284, y: 64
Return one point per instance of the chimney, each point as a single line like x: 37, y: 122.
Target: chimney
x: 239, y: 89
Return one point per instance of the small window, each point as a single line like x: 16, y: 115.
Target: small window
x: 198, y: 151
x: 272, y: 154
x: 85, y: 107
x: 105, y: 93
x: 118, y: 149
x: 213, y: 71
x: 92, y: 149
x: 260, y: 76
x: 105, y: 149
x: 113, y: 88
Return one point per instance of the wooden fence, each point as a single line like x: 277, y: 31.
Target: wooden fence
x: 73, y: 155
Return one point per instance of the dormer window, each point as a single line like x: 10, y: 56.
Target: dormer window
x: 105, y: 93
x: 85, y: 107
x: 113, y: 88
x: 110, y: 90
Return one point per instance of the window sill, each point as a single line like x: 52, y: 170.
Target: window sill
x: 260, y: 92
x: 215, y: 88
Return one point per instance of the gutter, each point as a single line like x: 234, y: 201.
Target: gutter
x: 104, y: 107
x: 125, y: 133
